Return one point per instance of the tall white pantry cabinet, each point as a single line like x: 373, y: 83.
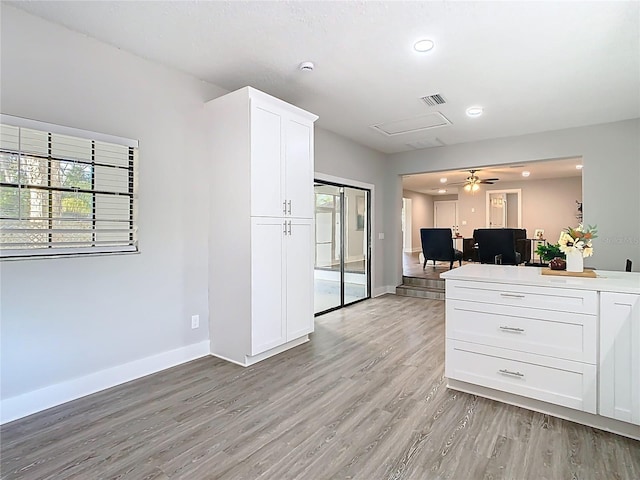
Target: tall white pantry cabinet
x: 260, y: 226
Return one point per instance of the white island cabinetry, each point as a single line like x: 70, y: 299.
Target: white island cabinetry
x: 260, y: 226
x: 566, y: 346
x: 620, y: 356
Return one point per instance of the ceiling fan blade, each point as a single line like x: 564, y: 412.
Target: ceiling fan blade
x: 491, y: 179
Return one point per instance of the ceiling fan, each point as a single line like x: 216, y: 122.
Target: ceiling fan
x: 472, y: 182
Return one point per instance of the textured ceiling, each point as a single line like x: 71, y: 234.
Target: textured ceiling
x: 534, y: 66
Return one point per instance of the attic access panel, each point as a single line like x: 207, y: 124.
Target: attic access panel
x: 411, y: 125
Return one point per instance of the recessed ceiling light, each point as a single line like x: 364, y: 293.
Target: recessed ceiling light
x: 526, y: 174
x: 579, y: 167
x: 423, y: 45
x: 474, y: 111
x: 442, y: 190
x: 443, y: 180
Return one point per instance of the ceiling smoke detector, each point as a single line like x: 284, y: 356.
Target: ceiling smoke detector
x: 306, y: 66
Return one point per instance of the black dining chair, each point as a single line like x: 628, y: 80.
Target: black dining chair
x: 437, y: 245
x: 497, y: 246
x: 627, y: 267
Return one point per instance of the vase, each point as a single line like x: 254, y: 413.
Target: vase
x: 575, y: 262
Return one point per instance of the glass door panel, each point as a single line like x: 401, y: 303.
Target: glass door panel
x: 328, y: 248
x: 356, y: 244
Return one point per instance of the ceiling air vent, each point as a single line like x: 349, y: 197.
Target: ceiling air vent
x: 433, y: 100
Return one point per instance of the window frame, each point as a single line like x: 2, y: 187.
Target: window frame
x: 96, y: 247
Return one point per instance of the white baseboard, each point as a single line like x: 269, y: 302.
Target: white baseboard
x: 37, y: 400
x: 384, y: 290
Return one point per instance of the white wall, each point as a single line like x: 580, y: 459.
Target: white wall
x: 548, y: 204
x: 611, y: 159
x: 64, y: 319
x: 339, y: 157
x: 421, y: 215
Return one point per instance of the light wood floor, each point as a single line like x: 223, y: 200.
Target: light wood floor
x: 365, y: 399
x: 412, y: 267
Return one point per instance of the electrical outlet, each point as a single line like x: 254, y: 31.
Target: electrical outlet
x: 195, y: 321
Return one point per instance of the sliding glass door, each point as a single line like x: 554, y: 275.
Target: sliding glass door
x: 342, y: 246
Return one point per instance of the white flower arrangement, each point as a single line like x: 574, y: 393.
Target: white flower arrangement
x: 578, y: 240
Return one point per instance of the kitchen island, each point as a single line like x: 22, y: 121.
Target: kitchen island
x: 566, y: 346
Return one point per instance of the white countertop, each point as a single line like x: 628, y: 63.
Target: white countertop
x: 606, y: 281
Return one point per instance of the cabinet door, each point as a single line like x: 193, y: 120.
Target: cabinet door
x: 299, y: 168
x: 620, y: 356
x: 266, y: 293
x: 267, y: 182
x: 299, y: 278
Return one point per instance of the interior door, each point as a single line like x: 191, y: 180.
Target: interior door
x: 497, y: 210
x: 445, y: 215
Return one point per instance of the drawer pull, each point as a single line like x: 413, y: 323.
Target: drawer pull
x: 508, y: 372
x: 511, y: 295
x: 512, y: 329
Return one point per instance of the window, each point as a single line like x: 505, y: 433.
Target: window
x: 65, y: 191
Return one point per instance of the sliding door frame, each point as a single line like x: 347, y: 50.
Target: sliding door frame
x: 347, y: 183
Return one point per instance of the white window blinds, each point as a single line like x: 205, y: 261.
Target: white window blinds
x: 65, y: 191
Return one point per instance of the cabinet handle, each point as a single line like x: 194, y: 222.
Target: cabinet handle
x: 289, y: 227
x: 507, y: 372
x: 512, y: 329
x: 284, y: 224
x: 289, y: 202
x: 284, y: 207
x: 511, y: 295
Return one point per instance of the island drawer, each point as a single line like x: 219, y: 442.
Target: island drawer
x: 561, y: 382
x: 545, y: 298
x: 569, y: 336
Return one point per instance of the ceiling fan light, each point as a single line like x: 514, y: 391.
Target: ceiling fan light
x: 475, y: 187
x: 467, y: 187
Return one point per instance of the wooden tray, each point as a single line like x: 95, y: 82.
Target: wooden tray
x: 563, y: 273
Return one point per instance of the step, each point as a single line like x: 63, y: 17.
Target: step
x: 423, y: 282
x: 420, y: 292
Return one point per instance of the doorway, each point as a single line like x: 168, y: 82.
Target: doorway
x: 445, y: 215
x: 504, y: 208
x: 342, y: 246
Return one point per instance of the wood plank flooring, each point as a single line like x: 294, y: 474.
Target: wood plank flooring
x: 412, y: 267
x: 365, y: 399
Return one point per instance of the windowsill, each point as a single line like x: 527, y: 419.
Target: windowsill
x: 67, y: 255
